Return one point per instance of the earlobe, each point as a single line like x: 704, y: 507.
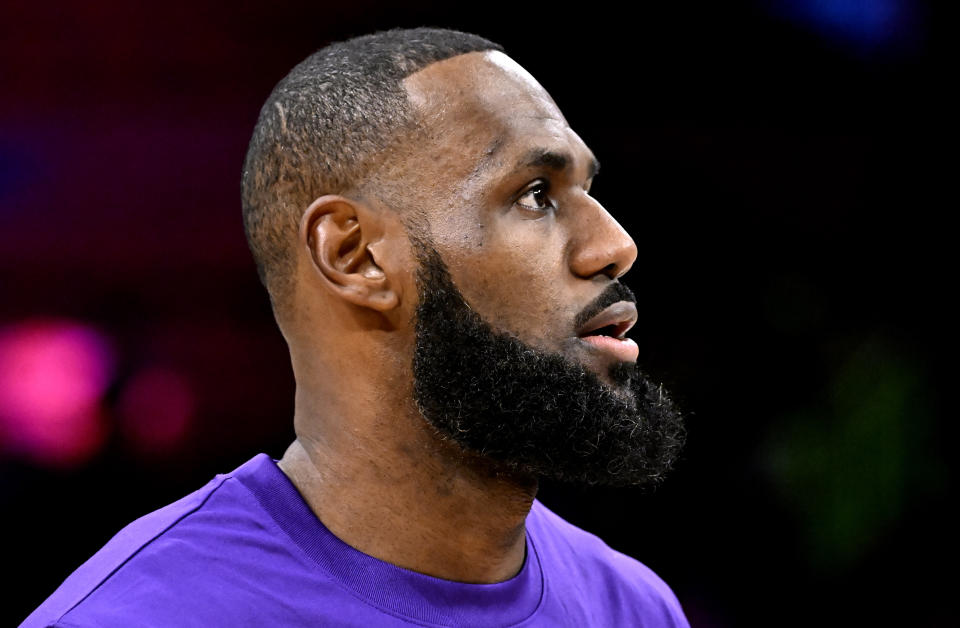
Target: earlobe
x: 336, y: 232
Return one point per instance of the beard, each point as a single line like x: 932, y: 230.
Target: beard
x: 522, y: 412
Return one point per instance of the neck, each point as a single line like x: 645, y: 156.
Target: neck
x: 394, y: 491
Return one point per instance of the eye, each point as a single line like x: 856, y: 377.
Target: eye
x: 535, y: 198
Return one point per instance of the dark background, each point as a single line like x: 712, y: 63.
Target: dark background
x: 776, y: 162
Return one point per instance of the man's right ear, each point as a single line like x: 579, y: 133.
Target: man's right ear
x: 337, y: 232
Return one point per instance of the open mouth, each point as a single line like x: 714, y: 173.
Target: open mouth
x: 613, y: 321
x: 615, y: 330
x: 606, y: 330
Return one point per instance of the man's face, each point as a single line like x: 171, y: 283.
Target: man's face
x: 507, y: 201
x: 518, y: 275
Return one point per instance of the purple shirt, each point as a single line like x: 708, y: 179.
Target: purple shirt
x: 246, y: 550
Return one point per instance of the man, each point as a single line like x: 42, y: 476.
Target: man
x: 420, y: 214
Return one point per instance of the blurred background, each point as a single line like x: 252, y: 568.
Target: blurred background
x: 776, y: 162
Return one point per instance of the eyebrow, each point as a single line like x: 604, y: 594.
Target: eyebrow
x: 546, y: 158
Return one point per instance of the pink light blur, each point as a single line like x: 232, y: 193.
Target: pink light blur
x: 156, y: 408
x: 53, y: 373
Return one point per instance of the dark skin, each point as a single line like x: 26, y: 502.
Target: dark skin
x: 503, y: 184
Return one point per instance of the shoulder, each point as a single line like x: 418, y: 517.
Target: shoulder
x: 171, y: 552
x: 580, y: 563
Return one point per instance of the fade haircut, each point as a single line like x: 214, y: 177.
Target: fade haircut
x: 322, y: 131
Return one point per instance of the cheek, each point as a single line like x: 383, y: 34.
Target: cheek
x: 518, y: 284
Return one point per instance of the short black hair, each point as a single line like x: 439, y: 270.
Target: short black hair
x: 322, y: 130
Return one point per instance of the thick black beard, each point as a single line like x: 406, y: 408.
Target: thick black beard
x: 527, y: 413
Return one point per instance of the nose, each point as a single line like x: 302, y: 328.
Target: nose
x: 601, y: 245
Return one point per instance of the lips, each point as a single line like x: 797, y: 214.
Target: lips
x: 613, y: 321
x: 604, y: 332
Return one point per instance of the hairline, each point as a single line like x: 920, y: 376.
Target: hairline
x: 357, y: 134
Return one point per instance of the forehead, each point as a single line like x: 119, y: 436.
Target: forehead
x: 483, y: 107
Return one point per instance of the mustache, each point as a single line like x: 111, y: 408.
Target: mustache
x: 614, y: 293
